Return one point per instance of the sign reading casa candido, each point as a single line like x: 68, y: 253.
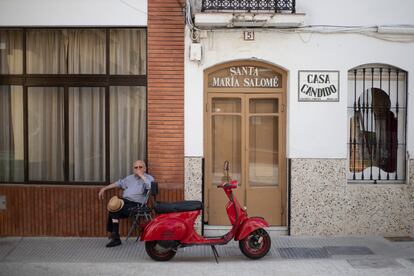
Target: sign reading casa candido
x: 244, y: 76
x: 318, y: 86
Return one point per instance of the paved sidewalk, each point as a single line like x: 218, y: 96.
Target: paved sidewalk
x: 288, y: 256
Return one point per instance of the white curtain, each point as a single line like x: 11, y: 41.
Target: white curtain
x: 86, y: 55
x: 11, y: 52
x: 83, y: 52
x: 127, y: 129
x: 127, y: 104
x: 6, y: 134
x: 11, y: 108
x: 128, y: 52
x: 46, y: 143
x: 87, y: 134
x: 46, y: 52
x: 11, y: 133
x: 66, y: 52
x: 86, y: 51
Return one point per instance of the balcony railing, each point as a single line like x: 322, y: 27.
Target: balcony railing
x: 249, y: 5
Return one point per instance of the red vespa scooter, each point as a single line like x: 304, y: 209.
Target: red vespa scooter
x: 174, y: 228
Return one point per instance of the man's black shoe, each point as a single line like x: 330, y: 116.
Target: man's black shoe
x: 114, y: 242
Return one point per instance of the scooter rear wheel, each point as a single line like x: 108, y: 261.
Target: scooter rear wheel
x: 256, y: 245
x: 157, y: 252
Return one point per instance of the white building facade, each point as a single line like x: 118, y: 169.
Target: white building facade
x: 312, y: 109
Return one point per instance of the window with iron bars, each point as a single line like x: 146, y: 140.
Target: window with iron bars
x: 377, y: 116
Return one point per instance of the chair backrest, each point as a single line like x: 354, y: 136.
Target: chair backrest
x: 147, y: 196
x: 154, y: 189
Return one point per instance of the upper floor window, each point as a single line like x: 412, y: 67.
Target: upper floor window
x: 72, y: 104
x: 377, y: 115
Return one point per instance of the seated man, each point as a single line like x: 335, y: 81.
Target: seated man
x: 134, y: 187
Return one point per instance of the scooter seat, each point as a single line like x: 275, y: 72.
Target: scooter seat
x: 181, y: 206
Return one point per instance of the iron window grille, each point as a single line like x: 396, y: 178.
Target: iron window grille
x: 377, y: 116
x: 249, y: 5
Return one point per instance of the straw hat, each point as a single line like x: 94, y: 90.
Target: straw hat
x: 115, y: 204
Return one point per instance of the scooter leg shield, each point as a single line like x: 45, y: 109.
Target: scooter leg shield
x: 164, y: 229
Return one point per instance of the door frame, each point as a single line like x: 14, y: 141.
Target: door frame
x: 281, y: 91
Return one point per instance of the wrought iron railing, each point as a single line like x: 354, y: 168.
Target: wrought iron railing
x: 249, y: 5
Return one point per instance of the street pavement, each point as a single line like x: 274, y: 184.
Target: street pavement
x: 288, y: 256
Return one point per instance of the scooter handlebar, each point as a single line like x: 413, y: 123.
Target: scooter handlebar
x: 228, y: 185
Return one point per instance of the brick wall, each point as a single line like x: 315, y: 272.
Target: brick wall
x: 41, y: 210
x: 166, y: 92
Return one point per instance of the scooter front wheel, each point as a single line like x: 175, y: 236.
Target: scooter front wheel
x: 256, y: 245
x: 158, y: 252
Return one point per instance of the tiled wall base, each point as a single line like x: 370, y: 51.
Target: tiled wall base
x: 193, y: 181
x: 322, y: 203
x: 411, y: 190
x: 317, y: 197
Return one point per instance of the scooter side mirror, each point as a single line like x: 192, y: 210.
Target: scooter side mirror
x: 226, y: 166
x: 226, y: 176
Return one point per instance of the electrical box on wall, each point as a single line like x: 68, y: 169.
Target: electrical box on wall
x: 2, y: 202
x: 195, y: 51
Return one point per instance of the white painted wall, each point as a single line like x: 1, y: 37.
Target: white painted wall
x: 73, y: 13
x: 315, y: 130
x: 356, y: 12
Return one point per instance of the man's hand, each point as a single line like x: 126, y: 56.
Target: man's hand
x: 141, y: 173
x: 101, y: 193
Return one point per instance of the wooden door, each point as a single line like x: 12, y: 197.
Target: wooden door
x: 264, y: 162
x: 226, y: 140
x: 247, y: 130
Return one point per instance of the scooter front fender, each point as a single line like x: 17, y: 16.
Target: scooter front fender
x: 249, y: 225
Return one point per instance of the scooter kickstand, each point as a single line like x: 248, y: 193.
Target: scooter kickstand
x: 215, y: 253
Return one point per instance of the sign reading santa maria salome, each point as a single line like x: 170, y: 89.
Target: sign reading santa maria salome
x: 244, y: 76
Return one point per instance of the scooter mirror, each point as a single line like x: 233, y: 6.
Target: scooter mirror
x: 226, y: 176
x: 226, y: 166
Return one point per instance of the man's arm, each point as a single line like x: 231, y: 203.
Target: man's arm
x: 103, y: 190
x: 145, y: 177
x: 147, y: 180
